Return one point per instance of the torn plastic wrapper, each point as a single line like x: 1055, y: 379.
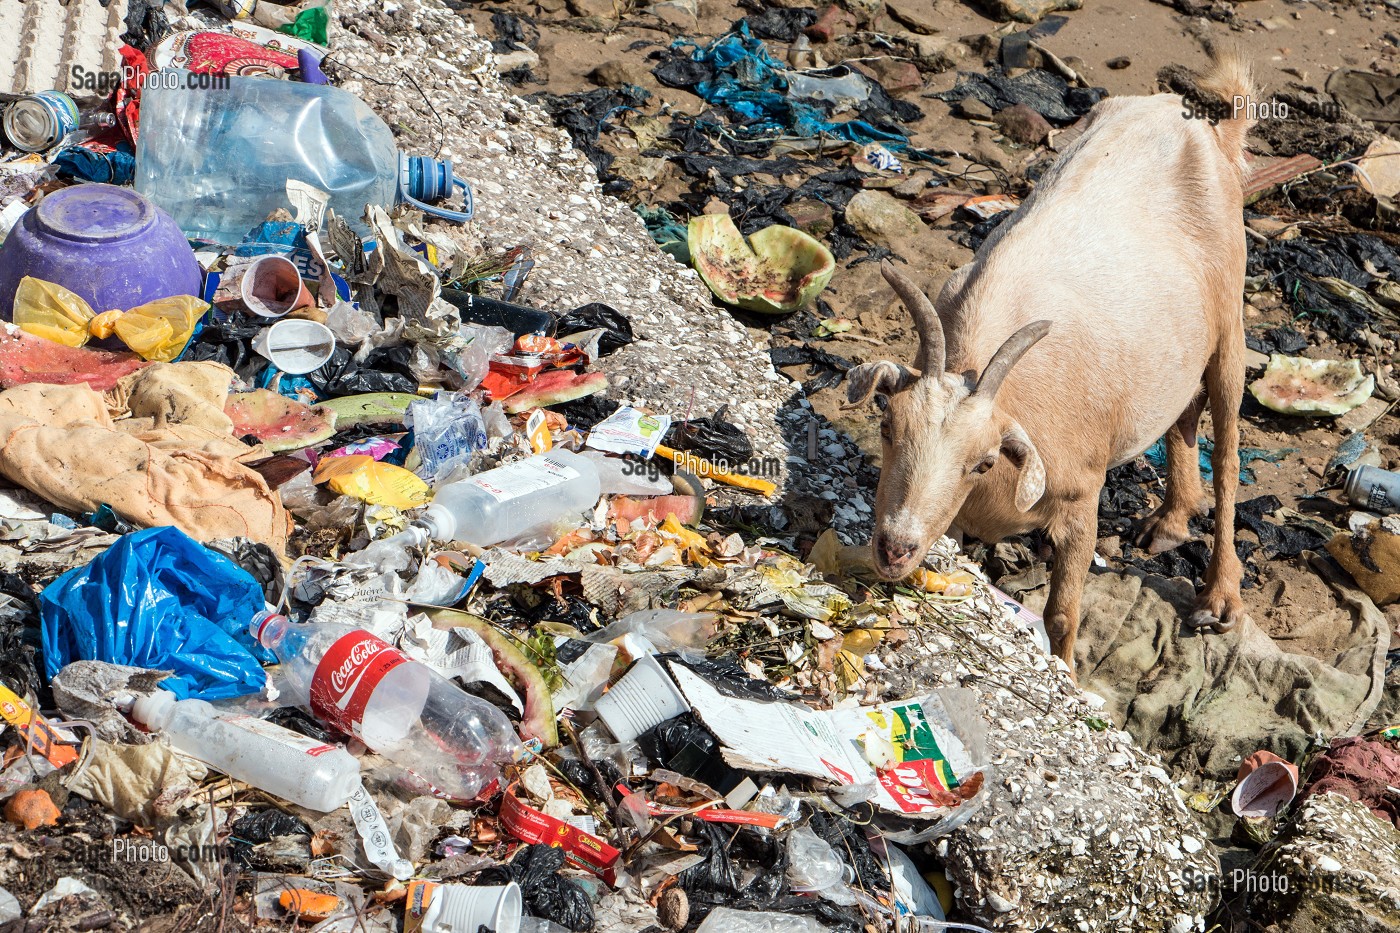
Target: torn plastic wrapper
x: 629, y: 431
x: 923, y: 759
x: 580, y: 848
x: 374, y: 833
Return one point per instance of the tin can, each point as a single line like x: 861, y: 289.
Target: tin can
x: 40, y: 121
x: 1374, y: 489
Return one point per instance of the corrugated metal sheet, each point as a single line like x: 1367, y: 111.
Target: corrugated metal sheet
x: 41, y: 39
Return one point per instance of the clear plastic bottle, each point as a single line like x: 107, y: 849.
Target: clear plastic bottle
x: 506, y: 502
x: 284, y: 763
x: 219, y: 161
x: 401, y: 708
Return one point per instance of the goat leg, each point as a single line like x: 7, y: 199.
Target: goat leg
x: 1073, y: 534
x: 1168, y: 526
x: 1219, y: 605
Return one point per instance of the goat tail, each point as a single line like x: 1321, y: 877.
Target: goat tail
x: 1231, y: 81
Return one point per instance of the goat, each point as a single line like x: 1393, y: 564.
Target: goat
x: 1100, y: 316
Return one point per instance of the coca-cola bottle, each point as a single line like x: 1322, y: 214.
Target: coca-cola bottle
x: 399, y: 707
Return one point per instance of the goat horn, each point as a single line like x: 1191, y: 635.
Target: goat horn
x: 1007, y: 356
x: 930, y: 360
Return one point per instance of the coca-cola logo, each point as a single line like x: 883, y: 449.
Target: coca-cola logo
x: 359, y: 654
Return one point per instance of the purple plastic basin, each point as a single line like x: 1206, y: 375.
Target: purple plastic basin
x: 108, y: 244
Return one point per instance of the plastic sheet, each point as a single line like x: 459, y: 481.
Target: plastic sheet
x: 617, y: 330
x: 157, y: 599
x: 737, y: 71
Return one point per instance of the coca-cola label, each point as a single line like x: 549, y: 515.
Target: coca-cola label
x: 347, y: 676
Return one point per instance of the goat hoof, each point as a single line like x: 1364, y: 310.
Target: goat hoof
x: 1219, y: 616
x: 1163, y: 532
x: 1202, y: 619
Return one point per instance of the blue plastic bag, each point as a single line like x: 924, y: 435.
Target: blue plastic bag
x: 160, y: 600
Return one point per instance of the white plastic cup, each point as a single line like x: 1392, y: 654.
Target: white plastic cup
x: 643, y: 699
x: 296, y: 346
x: 461, y: 908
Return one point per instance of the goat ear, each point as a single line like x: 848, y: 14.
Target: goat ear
x: 868, y: 378
x: 1030, y: 485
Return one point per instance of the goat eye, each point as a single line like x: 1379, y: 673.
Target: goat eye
x: 986, y: 464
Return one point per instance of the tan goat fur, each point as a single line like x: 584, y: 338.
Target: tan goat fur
x: 1101, y: 316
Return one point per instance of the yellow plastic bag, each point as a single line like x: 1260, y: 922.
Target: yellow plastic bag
x: 157, y: 330
x: 367, y: 479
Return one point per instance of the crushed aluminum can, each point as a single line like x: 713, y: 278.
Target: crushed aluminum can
x: 1374, y: 489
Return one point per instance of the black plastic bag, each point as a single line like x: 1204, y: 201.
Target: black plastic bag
x: 547, y: 893
x: 582, y: 776
x: 584, y: 413
x: 727, y: 676
x: 1047, y: 94
x: 775, y: 23
x: 1275, y: 540
x: 617, y: 330
x: 382, y: 371
x: 256, y: 829
x: 713, y: 438
x: 229, y: 343
x: 686, y: 747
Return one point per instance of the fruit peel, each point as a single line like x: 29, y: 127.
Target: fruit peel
x: 370, y: 408
x: 553, y: 388
x: 1295, y: 385
x: 777, y: 270
x: 277, y: 422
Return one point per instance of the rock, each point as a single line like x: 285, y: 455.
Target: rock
x: 1372, y: 557
x: 973, y: 109
x: 1380, y: 166
x: 834, y: 21
x: 1119, y: 63
x: 1028, y: 11
x: 31, y: 809
x: 1021, y: 124
x: 912, y: 16
x: 1268, y: 226
x: 881, y: 219
x: 1253, y: 359
x: 607, y: 9
x: 683, y: 14
x: 811, y: 216
x: 1362, y: 415
x: 616, y: 74
x: 895, y: 75
x: 520, y: 58
x: 1334, y: 866
x: 935, y: 53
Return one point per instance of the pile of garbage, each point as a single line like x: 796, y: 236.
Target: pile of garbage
x: 347, y: 587
x: 341, y: 592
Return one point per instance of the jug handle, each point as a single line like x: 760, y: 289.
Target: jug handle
x: 447, y: 213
